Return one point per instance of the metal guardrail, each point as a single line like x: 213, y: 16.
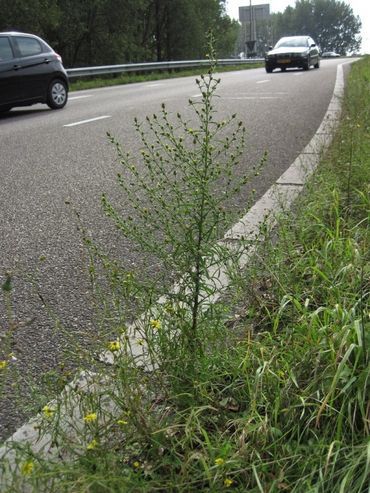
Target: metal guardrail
x: 141, y: 67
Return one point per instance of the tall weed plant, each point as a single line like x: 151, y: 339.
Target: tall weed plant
x: 178, y: 190
x: 273, y: 399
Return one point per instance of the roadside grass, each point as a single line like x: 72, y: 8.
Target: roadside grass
x: 274, y: 396
x: 129, y: 78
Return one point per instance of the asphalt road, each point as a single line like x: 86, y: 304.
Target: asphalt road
x: 54, y: 162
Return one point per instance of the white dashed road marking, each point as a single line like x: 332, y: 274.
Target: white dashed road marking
x: 87, y: 121
x: 255, y: 97
x: 263, y: 81
x: 72, y: 98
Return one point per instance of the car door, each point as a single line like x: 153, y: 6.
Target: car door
x: 33, y: 67
x: 314, y: 51
x: 9, y: 88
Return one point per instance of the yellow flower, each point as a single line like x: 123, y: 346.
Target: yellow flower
x: 114, y: 345
x: 92, y: 444
x: 90, y: 417
x: 136, y: 464
x: 27, y: 468
x: 48, y: 411
x: 228, y: 482
x: 3, y: 364
x: 219, y: 461
x: 156, y: 324
x: 122, y: 422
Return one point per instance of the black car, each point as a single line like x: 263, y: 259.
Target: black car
x: 293, y: 51
x: 30, y: 72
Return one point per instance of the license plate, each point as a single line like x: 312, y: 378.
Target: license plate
x: 284, y: 60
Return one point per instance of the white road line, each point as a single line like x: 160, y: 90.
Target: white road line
x: 71, y: 98
x: 265, y: 93
x: 87, y: 121
x: 154, y: 85
x: 263, y: 81
x: 253, y: 97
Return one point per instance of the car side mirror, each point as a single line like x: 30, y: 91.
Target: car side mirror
x: 313, y: 45
x: 270, y: 47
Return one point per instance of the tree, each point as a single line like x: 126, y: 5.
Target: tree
x: 34, y: 16
x: 180, y: 28
x: 330, y: 22
x: 336, y: 27
x: 101, y: 32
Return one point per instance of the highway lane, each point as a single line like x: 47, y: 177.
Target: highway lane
x: 54, y: 161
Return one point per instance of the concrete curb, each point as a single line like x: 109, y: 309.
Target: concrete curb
x: 273, y: 203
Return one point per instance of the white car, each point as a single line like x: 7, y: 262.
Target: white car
x: 293, y: 51
x: 330, y: 54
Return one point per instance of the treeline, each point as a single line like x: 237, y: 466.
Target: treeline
x: 331, y: 23
x: 99, y: 32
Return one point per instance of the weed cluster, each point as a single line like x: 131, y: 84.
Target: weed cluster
x: 273, y: 399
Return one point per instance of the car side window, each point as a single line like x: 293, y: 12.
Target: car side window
x: 6, y: 52
x: 28, y: 46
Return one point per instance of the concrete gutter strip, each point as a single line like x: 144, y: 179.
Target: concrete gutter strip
x: 272, y: 204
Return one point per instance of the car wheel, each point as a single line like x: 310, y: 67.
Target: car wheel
x: 57, y: 94
x: 317, y: 65
x: 306, y: 65
x: 283, y: 69
x: 268, y: 69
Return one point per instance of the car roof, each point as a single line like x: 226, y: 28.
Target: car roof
x: 295, y: 37
x: 29, y: 35
x: 17, y: 33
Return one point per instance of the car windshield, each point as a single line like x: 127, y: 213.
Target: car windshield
x: 292, y: 42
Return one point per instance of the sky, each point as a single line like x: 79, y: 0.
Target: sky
x: 359, y: 7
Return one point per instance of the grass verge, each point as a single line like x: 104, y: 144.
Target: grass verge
x: 279, y: 398
x: 130, y: 78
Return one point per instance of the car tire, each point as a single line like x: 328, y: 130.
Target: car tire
x: 306, y: 65
x: 57, y: 94
x: 317, y: 65
x: 283, y: 69
x: 268, y: 69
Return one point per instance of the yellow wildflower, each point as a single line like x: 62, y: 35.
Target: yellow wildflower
x: 219, y: 461
x: 136, y: 464
x: 156, y: 324
x: 48, y: 411
x: 114, y: 345
x: 3, y: 364
x: 27, y: 468
x: 90, y: 417
x: 92, y: 444
x: 228, y: 482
